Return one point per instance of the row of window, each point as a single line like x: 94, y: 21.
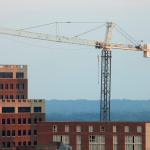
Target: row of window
x: 20, y: 121
x: 21, y: 109
x: 102, y: 129
x: 10, y: 75
x: 13, y: 144
x: 12, y: 97
x: 19, y: 133
x: 20, y: 86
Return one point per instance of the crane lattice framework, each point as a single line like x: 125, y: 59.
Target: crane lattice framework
x: 106, y: 46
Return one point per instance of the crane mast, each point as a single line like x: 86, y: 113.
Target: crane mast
x: 106, y: 76
x: 106, y: 47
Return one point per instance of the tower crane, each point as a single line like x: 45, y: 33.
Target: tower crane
x: 106, y: 46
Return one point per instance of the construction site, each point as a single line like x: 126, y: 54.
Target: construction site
x: 22, y: 120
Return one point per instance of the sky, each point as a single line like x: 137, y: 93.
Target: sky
x: 62, y: 71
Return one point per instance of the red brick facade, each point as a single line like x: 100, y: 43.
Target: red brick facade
x: 122, y: 130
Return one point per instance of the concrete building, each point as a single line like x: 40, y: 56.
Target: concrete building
x: 18, y: 114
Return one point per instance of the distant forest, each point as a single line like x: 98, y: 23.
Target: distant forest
x: 88, y: 110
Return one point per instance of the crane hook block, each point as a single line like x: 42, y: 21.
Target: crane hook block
x: 147, y: 50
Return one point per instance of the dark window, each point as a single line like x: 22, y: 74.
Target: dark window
x: 13, y: 144
x: 6, y: 86
x: 24, y: 143
x: 24, y: 132
x: 17, y: 86
x: 3, y: 121
x: 11, y: 86
x: 19, y: 121
x: 13, y: 121
x: 29, y: 142
x: 6, y: 75
x: 8, y: 121
x: 29, y: 121
x: 29, y: 132
x: 19, y: 132
x: 19, y: 143
x: 1, y: 97
x: 19, y: 75
x: 1, y: 86
x: 35, y: 132
x: 37, y: 109
x: 4, y: 145
x: 3, y: 133
x: 24, y: 109
x: 6, y: 96
x: 24, y: 120
x: 22, y: 96
x: 40, y: 119
x: 8, y: 109
x: 17, y: 97
x: 35, y: 142
x: 8, y: 144
x: 13, y: 133
x: 11, y: 97
x: 8, y: 132
x: 35, y: 120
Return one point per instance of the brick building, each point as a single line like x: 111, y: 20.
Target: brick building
x: 96, y: 135
x: 18, y: 114
x: 23, y: 126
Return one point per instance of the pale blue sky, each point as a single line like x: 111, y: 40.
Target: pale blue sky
x: 70, y: 72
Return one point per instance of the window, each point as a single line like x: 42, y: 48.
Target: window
x: 40, y: 119
x: 1, y: 97
x: 24, y: 109
x: 8, y: 144
x: 19, y: 132
x: 13, y: 121
x: 139, y: 129
x: 17, y: 86
x: 3, y: 143
x: 13, y: 133
x: 115, y: 143
x: 6, y: 97
x: 11, y: 86
x: 19, y: 75
x: 24, y: 132
x: 6, y: 86
x: 66, y: 128
x: 24, y: 143
x: 8, y: 121
x: 114, y: 129
x: 37, y: 109
x: 102, y: 129
x: 29, y: 121
x: 19, y: 120
x: 133, y: 143
x: 35, y: 132
x: 126, y: 129
x: 6, y: 75
x: 17, y: 97
x: 19, y: 143
x: 3, y: 133
x: 78, y: 128
x: 35, y: 120
x: 8, y: 132
x: 11, y: 97
x: 8, y: 109
x: 24, y: 120
x: 61, y: 138
x: 1, y: 86
x: 29, y: 143
x: 90, y: 128
x: 54, y: 128
x: 35, y: 142
x: 22, y: 96
x: 78, y: 142
x: 3, y: 121
x: 29, y: 132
